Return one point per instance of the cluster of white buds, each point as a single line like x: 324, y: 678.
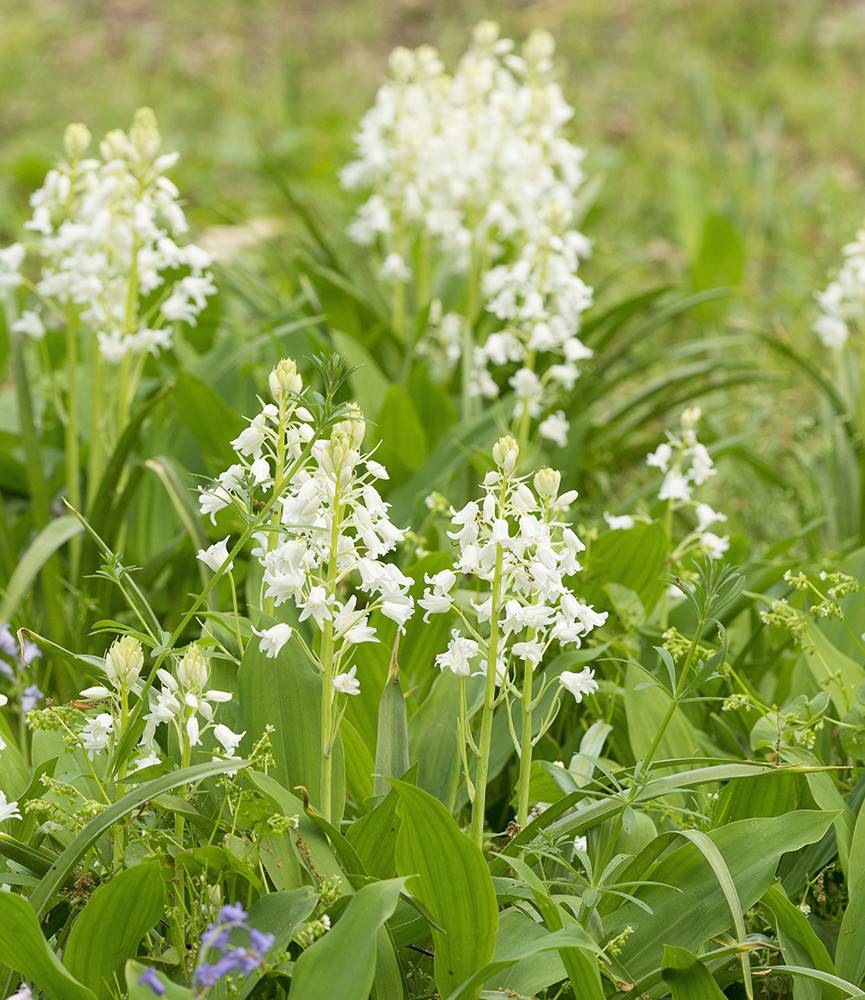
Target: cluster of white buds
x: 516, y: 544
x: 330, y: 526
x: 842, y: 302
x: 686, y: 464
x: 109, y: 232
x: 185, y: 702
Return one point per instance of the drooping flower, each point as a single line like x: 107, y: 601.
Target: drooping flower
x: 273, y: 639
x: 579, y: 683
x: 8, y: 810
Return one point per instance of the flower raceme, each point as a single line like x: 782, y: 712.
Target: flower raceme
x: 330, y: 526
x: 842, y: 302
x: 516, y: 547
x: 108, y: 232
x: 321, y: 531
x: 475, y: 170
x: 514, y: 535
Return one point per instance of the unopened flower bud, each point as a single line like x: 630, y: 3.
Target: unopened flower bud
x: 144, y: 134
x: 547, y: 482
x: 284, y: 379
x: 540, y: 45
x: 76, y: 139
x: 691, y: 417
x: 192, y: 671
x: 353, y: 427
x: 115, y: 146
x: 123, y: 661
x: 486, y: 33
x: 506, y: 451
x: 401, y: 63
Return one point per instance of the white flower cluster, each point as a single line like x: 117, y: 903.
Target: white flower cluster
x: 474, y: 155
x: 109, y: 234
x: 516, y: 545
x: 179, y: 701
x: 842, y: 302
x: 332, y: 525
x: 478, y: 166
x: 540, y: 299
x: 687, y: 464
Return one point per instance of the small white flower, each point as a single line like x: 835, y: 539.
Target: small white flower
x: 555, y: 428
x: 621, y: 522
x: 347, y: 683
x: 23, y: 993
x: 581, y: 844
x: 579, y: 683
x: 714, y: 545
x: 660, y: 457
x: 215, y: 556
x: 95, y: 735
x: 316, y: 606
x: 30, y: 323
x: 273, y: 639
x: 228, y: 739
x: 8, y: 810
x: 459, y: 655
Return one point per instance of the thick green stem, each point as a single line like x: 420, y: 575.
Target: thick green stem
x: 525, y: 746
x: 73, y: 472
x: 97, y: 425
x: 485, y: 742
x: 328, y: 736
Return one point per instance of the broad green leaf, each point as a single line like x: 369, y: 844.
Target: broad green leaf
x: 24, y: 950
x: 687, y: 977
x: 403, y: 446
x: 279, y: 914
x: 850, y: 950
x: 646, y: 706
x: 322, y: 854
x: 567, y: 939
x: 110, y: 927
x: 342, y: 962
x: 452, y: 881
x: 832, y: 670
x: 285, y: 692
x: 54, y: 535
x: 210, y: 420
x: 688, y: 906
x: 815, y: 975
x: 720, y: 257
x: 368, y: 383
x: 57, y: 875
x: 633, y: 559
x: 392, y: 756
x: 799, y: 944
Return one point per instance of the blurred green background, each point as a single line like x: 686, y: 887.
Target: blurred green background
x: 690, y: 110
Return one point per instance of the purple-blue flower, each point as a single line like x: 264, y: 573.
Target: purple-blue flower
x: 30, y: 698
x: 218, y: 957
x: 150, y: 978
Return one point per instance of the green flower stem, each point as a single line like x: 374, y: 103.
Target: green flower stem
x: 73, y: 471
x: 328, y: 734
x: 525, y: 419
x: 36, y: 482
x: 95, y: 458
x: 526, y: 711
x: 485, y: 742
